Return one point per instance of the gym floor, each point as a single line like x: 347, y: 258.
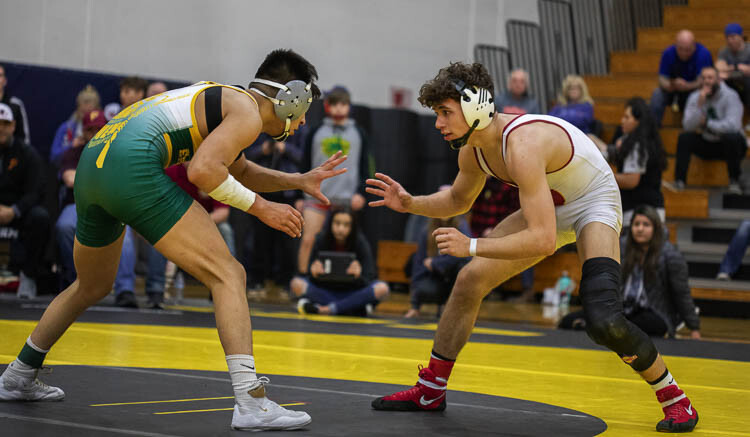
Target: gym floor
x: 163, y: 373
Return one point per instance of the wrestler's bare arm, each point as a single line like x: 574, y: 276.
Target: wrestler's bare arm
x: 526, y: 162
x: 447, y: 203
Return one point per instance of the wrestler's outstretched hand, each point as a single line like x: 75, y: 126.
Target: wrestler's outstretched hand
x: 393, y: 194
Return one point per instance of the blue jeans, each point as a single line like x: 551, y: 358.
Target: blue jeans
x: 341, y: 302
x: 736, y: 251
x: 65, y: 230
x: 155, y: 279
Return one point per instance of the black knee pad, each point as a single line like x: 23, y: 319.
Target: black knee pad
x: 605, y: 322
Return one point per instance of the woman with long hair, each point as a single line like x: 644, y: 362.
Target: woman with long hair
x: 317, y: 295
x: 574, y: 104
x: 655, y: 292
x: 640, y: 159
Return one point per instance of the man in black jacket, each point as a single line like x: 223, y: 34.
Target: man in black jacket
x: 20, y: 197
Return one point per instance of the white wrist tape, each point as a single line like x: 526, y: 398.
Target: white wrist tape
x: 473, y: 247
x: 233, y: 193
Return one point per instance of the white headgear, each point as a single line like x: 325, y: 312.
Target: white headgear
x: 291, y: 102
x: 478, y: 107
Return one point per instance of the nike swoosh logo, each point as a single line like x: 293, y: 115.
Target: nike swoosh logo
x: 689, y: 409
x: 671, y: 382
x: 249, y: 367
x: 425, y: 402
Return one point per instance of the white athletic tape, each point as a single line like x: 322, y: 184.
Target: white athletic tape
x: 233, y: 193
x: 473, y: 247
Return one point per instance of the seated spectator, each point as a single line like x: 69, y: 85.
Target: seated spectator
x: 132, y: 89
x: 65, y: 228
x: 735, y: 253
x: 21, y: 185
x: 157, y: 263
x: 340, y: 234
x: 71, y: 129
x: 497, y: 201
x: 516, y: 100
x: 735, y: 62
x: 654, y: 287
x: 433, y: 274
x: 640, y: 159
x: 574, y: 104
x: 713, y: 130
x: 272, y: 258
x: 336, y: 132
x: 679, y: 71
x: 21, y: 131
x: 155, y: 88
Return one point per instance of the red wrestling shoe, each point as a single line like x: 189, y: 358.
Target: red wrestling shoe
x: 679, y: 414
x: 427, y: 395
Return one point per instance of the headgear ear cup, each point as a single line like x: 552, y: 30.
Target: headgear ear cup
x: 291, y: 102
x: 478, y: 108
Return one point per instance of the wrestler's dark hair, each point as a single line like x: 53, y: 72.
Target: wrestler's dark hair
x: 285, y: 65
x: 442, y: 86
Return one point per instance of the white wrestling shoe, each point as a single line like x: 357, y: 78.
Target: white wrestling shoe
x: 22, y: 385
x: 261, y: 413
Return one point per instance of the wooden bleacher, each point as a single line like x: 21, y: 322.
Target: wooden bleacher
x: 634, y: 73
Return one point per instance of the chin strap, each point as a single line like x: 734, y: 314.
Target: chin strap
x: 284, y: 135
x: 460, y: 142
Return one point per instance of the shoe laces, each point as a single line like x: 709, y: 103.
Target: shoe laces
x: 264, y: 381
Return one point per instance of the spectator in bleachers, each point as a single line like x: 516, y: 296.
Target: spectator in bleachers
x: 736, y: 57
x: 516, y: 100
x: 157, y: 263
x: 21, y: 131
x: 433, y: 274
x: 21, y: 185
x: 273, y: 254
x: 317, y: 296
x: 65, y: 228
x: 640, y: 159
x: 735, y: 253
x: 712, y: 126
x: 654, y: 287
x: 497, y: 201
x: 132, y: 89
x: 336, y: 132
x: 155, y: 88
x: 574, y: 104
x: 679, y: 73
x: 71, y: 129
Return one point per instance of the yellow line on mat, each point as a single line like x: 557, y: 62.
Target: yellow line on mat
x: 221, y: 409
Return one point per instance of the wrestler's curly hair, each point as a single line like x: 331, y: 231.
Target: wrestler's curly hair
x: 441, y: 87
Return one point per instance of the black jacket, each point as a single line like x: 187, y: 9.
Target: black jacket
x: 364, y: 256
x: 21, y: 176
x: 669, y: 296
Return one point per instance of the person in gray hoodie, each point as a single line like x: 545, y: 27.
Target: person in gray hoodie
x: 336, y: 132
x: 713, y: 129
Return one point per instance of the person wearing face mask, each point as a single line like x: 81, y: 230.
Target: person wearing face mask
x: 713, y: 130
x: 639, y: 158
x: 320, y: 296
x: 655, y: 292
